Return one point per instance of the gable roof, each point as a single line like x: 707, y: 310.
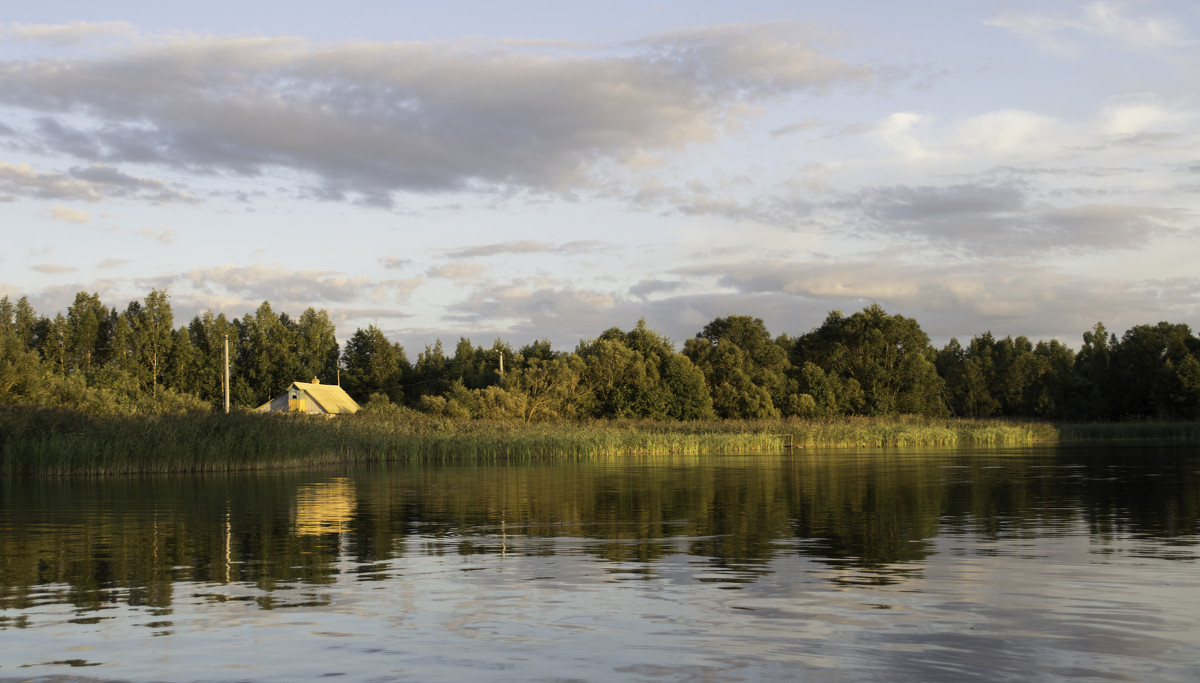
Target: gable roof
x: 331, y: 397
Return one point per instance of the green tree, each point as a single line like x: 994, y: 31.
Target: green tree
x: 373, y: 364
x: 152, y: 333
x: 316, y: 347
x: 888, y: 356
x: 542, y: 388
x: 267, y: 358
x: 21, y: 370
x: 85, y: 332
x: 747, y: 372
x: 1094, y: 380
x: 639, y: 374
x: 1144, y: 367
x: 208, y: 333
x: 431, y: 374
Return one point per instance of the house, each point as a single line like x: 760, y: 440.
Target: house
x: 313, y: 398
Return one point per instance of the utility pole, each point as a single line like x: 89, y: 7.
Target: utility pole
x: 226, y: 373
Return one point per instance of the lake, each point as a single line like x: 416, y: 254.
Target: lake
x: 1048, y: 563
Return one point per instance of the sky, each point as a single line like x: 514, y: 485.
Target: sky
x: 547, y: 170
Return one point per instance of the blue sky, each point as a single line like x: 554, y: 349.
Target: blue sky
x: 537, y: 169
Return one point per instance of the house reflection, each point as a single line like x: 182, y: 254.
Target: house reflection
x: 324, y: 507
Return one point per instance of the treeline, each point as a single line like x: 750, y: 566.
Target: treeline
x: 133, y: 361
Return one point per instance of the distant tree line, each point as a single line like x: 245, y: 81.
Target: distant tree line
x: 137, y: 360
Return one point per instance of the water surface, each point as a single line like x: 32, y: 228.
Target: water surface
x: 1034, y: 564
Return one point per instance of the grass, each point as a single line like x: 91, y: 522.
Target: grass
x: 60, y: 442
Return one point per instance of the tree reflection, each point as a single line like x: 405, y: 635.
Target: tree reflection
x: 870, y: 516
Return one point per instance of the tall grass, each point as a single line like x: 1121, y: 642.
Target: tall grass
x: 57, y: 442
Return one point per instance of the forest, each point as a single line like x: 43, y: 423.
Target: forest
x: 101, y: 360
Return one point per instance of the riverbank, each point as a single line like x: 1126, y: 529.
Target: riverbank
x: 60, y: 442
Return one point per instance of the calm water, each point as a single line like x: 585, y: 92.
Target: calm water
x: 949, y: 565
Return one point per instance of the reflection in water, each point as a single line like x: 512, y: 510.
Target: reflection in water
x: 887, y: 564
x: 324, y: 507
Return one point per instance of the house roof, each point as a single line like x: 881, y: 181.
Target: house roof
x: 331, y: 397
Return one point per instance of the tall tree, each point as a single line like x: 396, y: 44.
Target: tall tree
x: 85, y: 338
x: 374, y: 365
x: 888, y: 356
x: 267, y: 359
x: 152, y: 325
x: 317, y: 347
x: 746, y: 371
x: 1094, y: 378
x: 208, y: 333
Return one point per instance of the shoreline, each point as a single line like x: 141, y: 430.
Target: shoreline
x: 62, y: 442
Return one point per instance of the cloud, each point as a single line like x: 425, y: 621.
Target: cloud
x: 1002, y: 220
x: 365, y: 120
x: 112, y: 263
x: 86, y: 184
x: 286, y: 287
x: 807, y: 124
x: 457, y: 272
x: 514, y: 247
x: 78, y: 33
x: 114, y: 183
x: 649, y: 287
x: 1060, y: 33
x: 69, y: 215
x: 526, y: 247
x: 394, y: 262
x: 23, y: 180
x: 953, y: 300
x: 164, y: 235
x: 53, y: 269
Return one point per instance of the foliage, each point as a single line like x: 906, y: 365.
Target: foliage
x: 887, y: 358
x: 109, y: 361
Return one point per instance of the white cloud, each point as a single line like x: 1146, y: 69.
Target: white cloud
x: 459, y: 272
x: 164, y: 235
x: 53, y: 269
x: 394, y: 262
x: 76, y: 33
x: 1061, y: 33
x: 69, y: 215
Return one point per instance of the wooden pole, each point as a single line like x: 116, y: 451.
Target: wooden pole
x: 226, y: 374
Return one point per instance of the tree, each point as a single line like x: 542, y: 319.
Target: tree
x: 373, y: 364
x: 316, y: 347
x: 888, y: 356
x: 85, y: 338
x: 746, y: 371
x: 267, y: 358
x: 431, y: 374
x: 1093, y: 375
x: 639, y: 374
x: 208, y: 334
x: 1144, y: 366
x: 152, y: 327
x: 966, y: 391
x: 20, y: 366
x: 549, y: 388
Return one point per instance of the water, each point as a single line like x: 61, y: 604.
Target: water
x: 1036, y: 564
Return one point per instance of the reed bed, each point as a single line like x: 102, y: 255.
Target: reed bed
x: 60, y: 442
